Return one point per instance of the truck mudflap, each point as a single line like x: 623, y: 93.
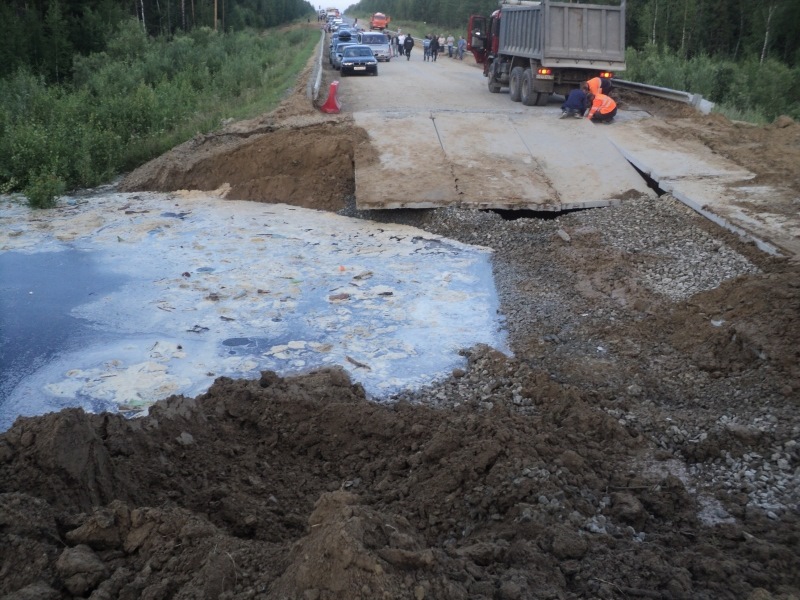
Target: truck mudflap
x: 543, y: 79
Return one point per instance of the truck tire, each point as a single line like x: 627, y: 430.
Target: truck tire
x: 494, y: 87
x: 515, y: 84
x: 527, y: 95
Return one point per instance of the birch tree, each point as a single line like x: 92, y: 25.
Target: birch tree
x: 770, y: 8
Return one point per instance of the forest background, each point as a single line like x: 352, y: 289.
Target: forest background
x: 89, y: 88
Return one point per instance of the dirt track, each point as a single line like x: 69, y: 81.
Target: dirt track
x: 642, y: 443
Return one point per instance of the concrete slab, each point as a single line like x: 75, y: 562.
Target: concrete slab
x: 714, y: 186
x: 393, y: 178
x: 503, y: 161
x: 765, y: 215
x: 583, y: 166
x: 493, y: 171
x: 642, y: 143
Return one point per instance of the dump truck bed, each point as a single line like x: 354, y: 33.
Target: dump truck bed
x: 565, y: 35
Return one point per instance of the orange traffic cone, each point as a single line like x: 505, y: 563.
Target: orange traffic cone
x: 332, y: 104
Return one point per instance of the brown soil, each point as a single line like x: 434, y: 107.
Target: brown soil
x: 517, y: 478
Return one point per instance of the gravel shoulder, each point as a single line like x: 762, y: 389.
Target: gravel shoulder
x: 642, y: 441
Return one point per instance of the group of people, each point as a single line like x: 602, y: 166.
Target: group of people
x: 432, y: 46
x: 594, y: 96
x: 401, y: 45
x: 398, y: 43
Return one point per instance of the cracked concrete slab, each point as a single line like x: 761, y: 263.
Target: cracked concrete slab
x: 714, y: 186
x: 502, y: 161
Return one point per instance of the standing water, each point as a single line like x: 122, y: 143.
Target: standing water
x: 126, y: 299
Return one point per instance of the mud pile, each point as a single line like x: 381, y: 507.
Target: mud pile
x: 301, y: 488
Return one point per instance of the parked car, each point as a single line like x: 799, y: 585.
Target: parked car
x: 335, y: 44
x: 379, y: 42
x: 358, y: 59
x: 336, y: 56
x: 341, y: 36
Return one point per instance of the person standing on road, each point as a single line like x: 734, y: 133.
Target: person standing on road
x: 435, y: 47
x: 603, y: 110
x: 462, y: 45
x: 408, y: 45
x: 426, y: 48
x: 401, y: 43
x: 450, y: 41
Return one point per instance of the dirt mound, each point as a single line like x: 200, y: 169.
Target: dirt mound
x: 301, y: 488
x: 306, y: 163
x: 752, y: 319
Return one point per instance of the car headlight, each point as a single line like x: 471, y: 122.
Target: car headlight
x: 347, y: 63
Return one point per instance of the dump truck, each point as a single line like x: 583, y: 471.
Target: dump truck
x: 539, y: 48
x: 379, y: 21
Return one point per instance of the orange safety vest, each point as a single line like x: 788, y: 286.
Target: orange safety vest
x: 595, y: 86
x: 602, y: 104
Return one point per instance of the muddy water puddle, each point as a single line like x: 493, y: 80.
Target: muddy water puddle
x: 149, y: 295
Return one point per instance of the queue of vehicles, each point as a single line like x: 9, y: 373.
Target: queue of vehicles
x: 354, y: 51
x: 533, y: 47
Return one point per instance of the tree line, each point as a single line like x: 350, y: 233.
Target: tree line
x: 727, y: 29
x: 43, y: 36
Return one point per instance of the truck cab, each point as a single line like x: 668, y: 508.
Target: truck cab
x: 378, y: 21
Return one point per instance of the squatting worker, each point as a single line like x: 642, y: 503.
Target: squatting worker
x: 603, y: 108
x: 599, y: 85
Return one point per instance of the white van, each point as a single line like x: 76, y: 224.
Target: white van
x: 379, y: 42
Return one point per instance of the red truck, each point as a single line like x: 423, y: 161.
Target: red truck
x: 379, y: 21
x: 539, y: 48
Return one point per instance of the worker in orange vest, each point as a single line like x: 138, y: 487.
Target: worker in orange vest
x: 603, y: 108
x: 599, y: 85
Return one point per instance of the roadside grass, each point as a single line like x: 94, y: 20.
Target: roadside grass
x: 136, y: 100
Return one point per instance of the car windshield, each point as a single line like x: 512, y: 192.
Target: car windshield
x: 374, y: 39
x: 358, y: 52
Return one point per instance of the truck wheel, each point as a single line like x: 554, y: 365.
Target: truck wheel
x: 528, y: 96
x: 494, y: 87
x: 515, y: 84
x: 542, y: 99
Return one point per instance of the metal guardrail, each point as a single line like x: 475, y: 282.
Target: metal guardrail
x: 315, y: 80
x: 696, y: 100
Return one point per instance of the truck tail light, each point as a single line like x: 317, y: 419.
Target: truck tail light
x: 545, y: 71
x: 606, y: 75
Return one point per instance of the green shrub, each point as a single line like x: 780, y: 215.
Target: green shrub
x: 136, y: 100
x: 744, y: 90
x: 44, y: 189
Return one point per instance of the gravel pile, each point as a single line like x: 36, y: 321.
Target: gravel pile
x: 570, y: 286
